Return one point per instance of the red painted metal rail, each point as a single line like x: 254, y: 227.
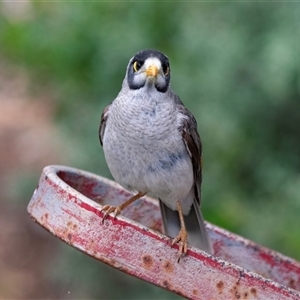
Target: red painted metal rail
x: 67, y: 202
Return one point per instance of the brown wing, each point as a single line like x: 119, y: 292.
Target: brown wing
x: 194, y: 222
x: 104, y: 117
x: 193, y: 145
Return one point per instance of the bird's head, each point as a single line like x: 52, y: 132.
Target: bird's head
x: 149, y: 68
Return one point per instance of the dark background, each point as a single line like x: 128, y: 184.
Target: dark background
x: 234, y: 64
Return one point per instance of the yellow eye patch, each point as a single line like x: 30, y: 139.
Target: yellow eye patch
x: 166, y: 71
x: 136, y: 66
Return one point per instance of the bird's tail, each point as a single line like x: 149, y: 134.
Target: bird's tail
x: 194, y: 222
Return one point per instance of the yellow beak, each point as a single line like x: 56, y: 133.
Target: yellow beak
x: 152, y: 71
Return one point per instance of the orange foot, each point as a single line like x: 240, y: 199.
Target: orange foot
x: 117, y: 209
x: 109, y: 209
x: 182, y: 240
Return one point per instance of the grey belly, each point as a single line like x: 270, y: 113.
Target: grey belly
x: 146, y: 166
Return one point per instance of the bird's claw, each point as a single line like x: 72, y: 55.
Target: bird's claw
x: 109, y: 209
x: 181, y: 238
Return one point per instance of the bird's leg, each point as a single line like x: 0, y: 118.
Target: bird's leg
x: 117, y: 209
x: 182, y: 235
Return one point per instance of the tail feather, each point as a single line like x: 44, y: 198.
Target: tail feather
x: 194, y: 222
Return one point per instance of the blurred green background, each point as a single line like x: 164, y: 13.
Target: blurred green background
x: 235, y: 65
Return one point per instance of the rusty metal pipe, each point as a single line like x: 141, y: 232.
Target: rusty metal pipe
x: 67, y: 202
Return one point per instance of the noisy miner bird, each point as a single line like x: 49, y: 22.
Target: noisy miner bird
x: 151, y: 145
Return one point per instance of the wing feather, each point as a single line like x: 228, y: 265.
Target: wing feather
x: 104, y: 117
x: 193, y: 145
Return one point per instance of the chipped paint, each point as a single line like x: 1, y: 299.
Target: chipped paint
x: 68, y: 202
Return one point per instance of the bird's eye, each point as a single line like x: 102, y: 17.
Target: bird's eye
x: 136, y: 66
x: 166, y: 69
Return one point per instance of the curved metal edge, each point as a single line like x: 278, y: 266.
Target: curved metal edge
x: 138, y: 250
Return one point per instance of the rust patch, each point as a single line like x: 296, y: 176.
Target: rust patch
x: 71, y: 225
x: 236, y: 294
x: 220, y: 286
x: 44, y: 218
x: 253, y: 291
x: 292, y: 284
x: 148, y: 261
x: 166, y: 284
x: 69, y: 236
x: 195, y: 292
x: 245, y: 295
x: 168, y: 267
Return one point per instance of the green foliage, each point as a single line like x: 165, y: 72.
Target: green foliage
x: 236, y: 67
